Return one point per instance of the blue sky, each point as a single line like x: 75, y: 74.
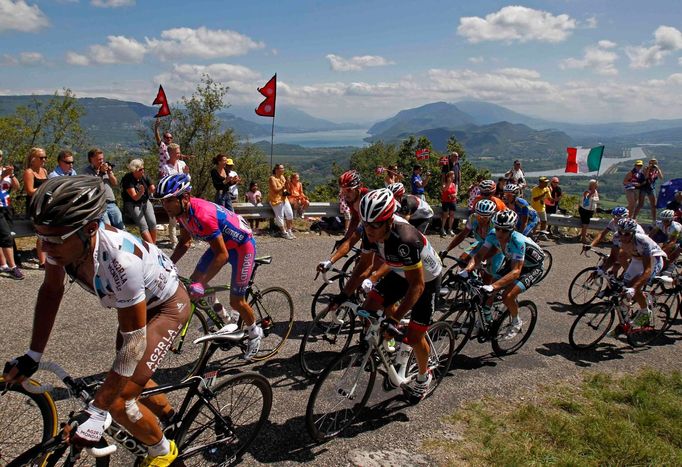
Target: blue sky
x: 568, y: 60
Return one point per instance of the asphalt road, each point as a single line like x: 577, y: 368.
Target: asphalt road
x: 83, y: 342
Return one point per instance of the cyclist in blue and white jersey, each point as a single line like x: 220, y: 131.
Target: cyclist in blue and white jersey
x: 614, y: 261
x: 127, y: 274
x: 523, y: 264
x: 527, y: 216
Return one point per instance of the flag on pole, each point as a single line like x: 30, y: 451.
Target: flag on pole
x: 582, y: 160
x: 163, y: 102
x: 267, y: 107
x: 423, y: 154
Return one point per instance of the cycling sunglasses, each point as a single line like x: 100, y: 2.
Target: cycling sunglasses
x: 57, y: 239
x: 375, y: 225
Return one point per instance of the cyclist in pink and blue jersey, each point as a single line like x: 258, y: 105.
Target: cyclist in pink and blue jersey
x: 230, y: 240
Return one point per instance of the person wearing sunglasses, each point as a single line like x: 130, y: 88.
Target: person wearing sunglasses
x: 64, y: 165
x: 34, y: 176
x: 128, y: 275
x: 414, y: 278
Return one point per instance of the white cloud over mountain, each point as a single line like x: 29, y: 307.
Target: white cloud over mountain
x: 517, y: 24
x: 598, y: 58
x: 17, y: 15
x: 667, y: 39
x: 357, y: 63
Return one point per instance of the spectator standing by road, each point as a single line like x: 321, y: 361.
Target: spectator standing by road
x: 163, y: 144
x: 223, y: 181
x: 277, y: 197
x: 452, y: 166
x: 64, y: 165
x: 8, y: 182
x: 552, y: 203
x: 392, y: 175
x: 588, y: 205
x: 34, y: 176
x: 652, y: 173
x: 448, y: 200
x: 136, y: 188
x: 538, y: 196
x: 98, y: 168
x: 515, y: 175
x: 417, y: 182
x: 299, y: 201
x: 173, y: 166
x: 254, y: 197
x: 632, y: 182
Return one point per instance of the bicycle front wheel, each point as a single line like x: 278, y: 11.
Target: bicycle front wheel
x: 329, y: 334
x: 323, y: 296
x: 340, y: 394
x: 585, y: 286
x: 546, y: 264
x: 591, y: 326
x: 509, y: 337
x: 182, y: 359
x: 659, y: 321
x: 274, y: 310
x: 26, y: 419
x: 219, y: 429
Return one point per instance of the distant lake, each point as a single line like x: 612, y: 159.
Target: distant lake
x: 322, y: 139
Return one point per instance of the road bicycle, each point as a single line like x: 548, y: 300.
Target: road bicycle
x: 548, y: 261
x: 670, y: 293
x: 466, y: 315
x: 218, y: 419
x: 272, y: 306
x: 587, y: 284
x: 344, y: 388
x: 594, y: 323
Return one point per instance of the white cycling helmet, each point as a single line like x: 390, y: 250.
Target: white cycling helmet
x: 485, y: 208
x: 511, y: 188
x: 666, y: 215
x: 377, y: 205
x: 487, y: 187
x: 627, y: 225
x: 505, y: 220
x: 398, y: 189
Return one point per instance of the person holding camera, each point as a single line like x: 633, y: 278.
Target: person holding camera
x: 648, y: 189
x: 418, y: 183
x: 8, y: 182
x: 278, y: 198
x: 104, y: 170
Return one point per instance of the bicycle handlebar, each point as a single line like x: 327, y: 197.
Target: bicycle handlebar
x: 52, y: 367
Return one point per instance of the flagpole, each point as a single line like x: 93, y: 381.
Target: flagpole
x: 272, y: 139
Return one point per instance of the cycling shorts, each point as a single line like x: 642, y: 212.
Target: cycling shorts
x: 393, y: 287
x: 528, y: 277
x: 242, y: 260
x: 636, y: 268
x: 164, y: 323
x: 529, y: 227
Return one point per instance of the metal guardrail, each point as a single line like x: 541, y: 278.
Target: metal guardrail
x: 24, y: 228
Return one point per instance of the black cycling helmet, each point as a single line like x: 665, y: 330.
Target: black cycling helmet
x: 68, y: 201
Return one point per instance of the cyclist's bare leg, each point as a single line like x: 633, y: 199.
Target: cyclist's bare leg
x: 245, y: 311
x: 509, y: 299
x: 418, y: 342
x: 146, y: 429
x: 158, y: 403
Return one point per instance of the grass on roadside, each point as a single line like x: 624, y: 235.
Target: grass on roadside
x: 628, y: 420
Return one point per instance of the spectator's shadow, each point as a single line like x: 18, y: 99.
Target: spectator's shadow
x: 565, y: 308
x: 583, y: 358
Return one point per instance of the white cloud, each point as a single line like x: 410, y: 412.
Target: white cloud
x: 17, y: 15
x: 73, y: 58
x: 119, y: 49
x: 242, y: 81
x: 24, y: 59
x: 357, y: 63
x: 597, y: 58
x: 112, y: 3
x: 478, y: 59
x: 666, y: 40
x: 517, y: 23
x: 591, y: 22
x: 201, y: 42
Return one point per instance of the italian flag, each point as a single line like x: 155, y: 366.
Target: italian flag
x: 582, y: 160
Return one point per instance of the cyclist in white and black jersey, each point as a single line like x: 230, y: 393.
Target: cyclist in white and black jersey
x: 523, y: 265
x: 412, y: 208
x: 127, y: 274
x: 414, y: 277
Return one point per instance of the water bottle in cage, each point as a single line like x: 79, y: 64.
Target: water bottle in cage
x: 403, y: 354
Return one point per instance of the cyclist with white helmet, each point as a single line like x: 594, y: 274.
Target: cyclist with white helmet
x: 230, y: 241
x: 672, y: 232
x: 412, y: 208
x: 618, y: 213
x: 522, y: 268
x: 527, y: 216
x: 127, y: 274
x: 414, y: 278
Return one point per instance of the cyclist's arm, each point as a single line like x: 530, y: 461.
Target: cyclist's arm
x: 183, y: 245
x: 361, y: 271
x: 416, y: 285
x: 380, y: 272
x: 345, y: 247
x: 132, y: 321
x: 49, y: 297
x: 459, y: 238
x: 523, y: 223
x: 510, y: 277
x: 219, y: 259
x: 480, y: 255
x: 611, y: 259
x: 599, y: 238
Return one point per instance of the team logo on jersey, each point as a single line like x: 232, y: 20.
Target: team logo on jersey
x: 404, y: 251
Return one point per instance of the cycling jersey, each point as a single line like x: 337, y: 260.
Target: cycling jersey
x: 498, y: 202
x: 480, y: 232
x: 671, y: 231
x: 519, y: 248
x: 129, y: 270
x: 416, y: 208
x: 642, y: 245
x: 206, y: 220
x: 523, y: 208
x: 406, y: 249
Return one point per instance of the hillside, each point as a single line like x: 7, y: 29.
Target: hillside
x: 436, y: 115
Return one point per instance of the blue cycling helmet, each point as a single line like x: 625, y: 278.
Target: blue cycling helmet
x: 173, y: 185
x: 620, y: 211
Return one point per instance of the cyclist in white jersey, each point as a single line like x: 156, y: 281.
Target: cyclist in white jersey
x: 615, y: 259
x: 671, y: 231
x: 127, y: 274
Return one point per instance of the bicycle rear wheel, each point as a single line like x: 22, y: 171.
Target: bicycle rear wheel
x: 26, y: 419
x: 182, y: 359
x: 329, y: 334
x: 441, y: 340
x: 461, y: 320
x: 591, y: 326
x: 671, y: 297
x: 505, y: 340
x: 324, y: 295
x: 585, y: 286
x: 546, y: 264
x: 340, y: 394
x: 274, y: 310
x: 659, y: 322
